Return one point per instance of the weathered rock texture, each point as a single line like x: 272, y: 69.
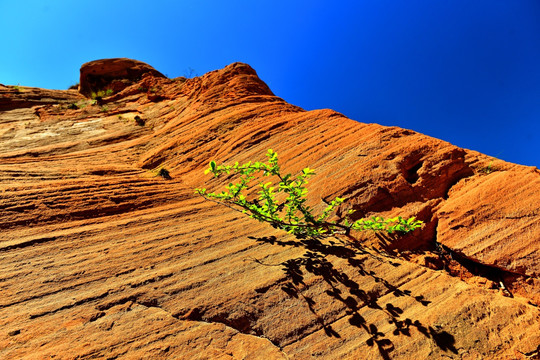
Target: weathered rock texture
x: 114, y: 74
x: 101, y: 258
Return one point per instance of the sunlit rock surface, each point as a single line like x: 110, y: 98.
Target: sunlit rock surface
x: 104, y: 258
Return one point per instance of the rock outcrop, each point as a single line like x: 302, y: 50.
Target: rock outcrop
x: 114, y: 74
x: 104, y: 258
x: 20, y: 97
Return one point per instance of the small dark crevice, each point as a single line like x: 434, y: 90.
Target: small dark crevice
x: 117, y: 301
x: 535, y: 354
x: 28, y: 243
x: 148, y: 303
x: 14, y: 332
x: 243, y: 324
x: 194, y: 314
x: 264, y: 289
x: 411, y: 174
x: 96, y: 316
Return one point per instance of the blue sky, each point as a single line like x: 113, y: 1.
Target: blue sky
x: 467, y: 72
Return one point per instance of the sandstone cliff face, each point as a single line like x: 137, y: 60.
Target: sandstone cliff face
x: 102, y: 258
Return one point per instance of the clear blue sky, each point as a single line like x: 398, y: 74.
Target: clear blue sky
x: 464, y: 71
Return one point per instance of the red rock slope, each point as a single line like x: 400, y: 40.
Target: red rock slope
x: 102, y: 258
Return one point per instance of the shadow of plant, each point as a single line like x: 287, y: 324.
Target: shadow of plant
x: 315, y: 261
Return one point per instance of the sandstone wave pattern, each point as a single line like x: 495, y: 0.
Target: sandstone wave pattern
x: 107, y: 252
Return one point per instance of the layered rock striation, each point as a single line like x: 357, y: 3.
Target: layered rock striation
x: 103, y: 257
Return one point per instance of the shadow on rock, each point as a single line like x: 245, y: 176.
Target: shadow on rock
x: 315, y: 261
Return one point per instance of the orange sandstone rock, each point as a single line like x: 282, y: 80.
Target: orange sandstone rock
x: 114, y: 74
x: 103, y: 258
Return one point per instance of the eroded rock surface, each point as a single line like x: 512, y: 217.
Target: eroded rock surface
x: 104, y: 258
x: 114, y: 74
x: 24, y: 97
x: 494, y: 219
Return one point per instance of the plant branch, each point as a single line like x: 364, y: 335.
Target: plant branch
x: 300, y: 220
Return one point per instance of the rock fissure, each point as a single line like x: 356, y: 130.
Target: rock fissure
x: 534, y: 354
x: 68, y: 306
x: 243, y: 325
x: 467, y: 267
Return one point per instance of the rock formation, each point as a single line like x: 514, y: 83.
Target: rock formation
x: 104, y: 258
x: 113, y: 74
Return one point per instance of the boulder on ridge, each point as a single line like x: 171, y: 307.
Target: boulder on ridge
x: 115, y: 74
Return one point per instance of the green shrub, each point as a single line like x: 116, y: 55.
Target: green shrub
x: 283, y: 205
x: 139, y: 120
x: 488, y: 169
x: 164, y: 173
x: 96, y: 95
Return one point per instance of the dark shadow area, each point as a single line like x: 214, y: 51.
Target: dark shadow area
x: 459, y: 265
x: 316, y: 261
